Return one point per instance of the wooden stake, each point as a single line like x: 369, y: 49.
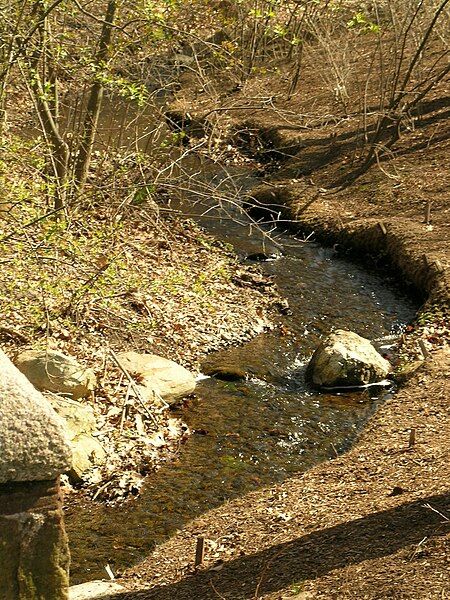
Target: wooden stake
x: 423, y: 349
x: 428, y: 212
x: 334, y: 450
x: 412, y: 437
x: 199, y: 551
x: 110, y: 572
x: 383, y: 228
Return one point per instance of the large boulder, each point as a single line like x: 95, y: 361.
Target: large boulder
x: 345, y: 359
x: 33, y: 439
x: 158, y: 376
x: 54, y: 371
x: 34, y: 450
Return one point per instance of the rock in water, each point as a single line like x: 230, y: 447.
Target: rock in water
x: 53, y: 371
x: 79, y: 418
x: 159, y: 375
x: 345, y: 359
x: 33, y: 439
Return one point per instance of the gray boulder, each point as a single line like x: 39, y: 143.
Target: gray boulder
x: 33, y: 439
x: 158, y: 376
x: 54, y: 371
x: 345, y: 359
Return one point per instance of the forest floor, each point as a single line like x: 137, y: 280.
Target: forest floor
x: 375, y: 522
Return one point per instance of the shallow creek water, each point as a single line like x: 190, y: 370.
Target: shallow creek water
x: 262, y: 430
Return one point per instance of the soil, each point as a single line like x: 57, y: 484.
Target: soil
x: 375, y: 522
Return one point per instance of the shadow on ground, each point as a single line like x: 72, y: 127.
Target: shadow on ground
x: 312, y: 555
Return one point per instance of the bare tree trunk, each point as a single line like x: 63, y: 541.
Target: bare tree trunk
x: 47, y: 109
x: 94, y: 103
x: 7, y: 60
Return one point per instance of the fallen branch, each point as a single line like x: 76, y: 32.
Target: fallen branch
x: 14, y: 334
x: 134, y: 387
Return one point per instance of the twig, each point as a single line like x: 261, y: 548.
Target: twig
x: 118, y: 384
x: 101, y: 489
x: 423, y: 349
x: 417, y: 548
x: 110, y: 572
x: 266, y: 568
x: 33, y: 222
x: 428, y: 212
x: 125, y: 408
x: 216, y: 591
x: 13, y: 333
x: 134, y: 387
x: 446, y: 519
x: 105, y: 364
x: 383, y: 228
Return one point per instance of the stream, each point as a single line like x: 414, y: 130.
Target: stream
x: 263, y: 429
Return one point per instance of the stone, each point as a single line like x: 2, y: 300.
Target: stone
x: 54, y: 371
x: 79, y: 418
x: 33, y: 440
x: 345, y: 359
x: 95, y: 589
x: 87, y: 453
x: 80, y: 423
x: 262, y: 256
x: 158, y: 375
x: 225, y: 372
x: 34, y: 552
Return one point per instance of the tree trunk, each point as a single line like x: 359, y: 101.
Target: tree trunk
x: 94, y: 104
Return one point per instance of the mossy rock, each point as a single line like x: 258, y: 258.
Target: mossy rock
x: 407, y: 371
x: 225, y: 372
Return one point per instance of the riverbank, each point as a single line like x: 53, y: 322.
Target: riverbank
x: 362, y: 525
x: 120, y: 276
x: 373, y: 523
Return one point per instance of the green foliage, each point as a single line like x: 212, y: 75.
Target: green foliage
x: 360, y: 23
x: 297, y: 588
x: 143, y: 194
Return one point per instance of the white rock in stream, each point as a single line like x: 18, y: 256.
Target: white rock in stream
x: 95, y: 589
x: 345, y: 359
x: 87, y: 452
x: 33, y: 440
x: 158, y: 376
